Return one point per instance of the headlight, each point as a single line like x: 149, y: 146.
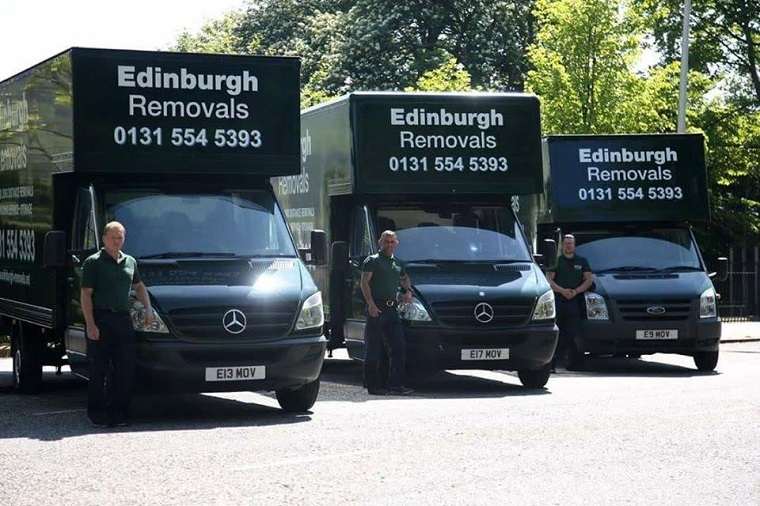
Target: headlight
x: 137, y: 313
x: 545, y: 307
x: 415, y: 311
x: 708, y: 307
x: 312, y: 314
x: 596, y: 307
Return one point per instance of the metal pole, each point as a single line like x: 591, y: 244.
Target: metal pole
x: 684, y: 66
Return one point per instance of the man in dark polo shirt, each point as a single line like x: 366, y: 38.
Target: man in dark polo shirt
x: 107, y: 278
x: 382, y: 273
x: 569, y: 278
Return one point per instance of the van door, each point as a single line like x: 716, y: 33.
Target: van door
x: 84, y: 242
x: 360, y: 244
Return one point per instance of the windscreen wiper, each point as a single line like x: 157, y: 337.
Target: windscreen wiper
x: 627, y: 268
x: 185, y: 254
x: 680, y: 268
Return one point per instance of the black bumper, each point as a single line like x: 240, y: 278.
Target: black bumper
x: 530, y: 347
x: 607, y: 337
x: 181, y: 366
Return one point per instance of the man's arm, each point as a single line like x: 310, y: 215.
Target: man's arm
x: 367, y: 292
x: 142, y: 295
x: 91, y: 330
x: 565, y: 292
x: 587, y: 281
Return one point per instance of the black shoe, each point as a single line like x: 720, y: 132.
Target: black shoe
x: 99, y: 424
x: 400, y: 391
x: 121, y: 423
x: 377, y: 391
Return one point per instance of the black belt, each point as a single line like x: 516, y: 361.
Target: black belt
x: 385, y: 302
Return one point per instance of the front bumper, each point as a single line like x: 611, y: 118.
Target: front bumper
x: 181, y: 366
x: 608, y: 337
x: 530, y: 347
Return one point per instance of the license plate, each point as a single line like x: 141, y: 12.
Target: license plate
x: 236, y: 373
x: 486, y: 354
x: 648, y: 335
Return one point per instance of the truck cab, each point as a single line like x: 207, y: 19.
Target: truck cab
x: 630, y: 202
x: 444, y: 172
x: 180, y: 149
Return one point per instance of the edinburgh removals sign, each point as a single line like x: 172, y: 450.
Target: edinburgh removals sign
x: 173, y: 112
x: 628, y: 178
x: 448, y: 143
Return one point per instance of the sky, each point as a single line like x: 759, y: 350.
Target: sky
x: 34, y: 30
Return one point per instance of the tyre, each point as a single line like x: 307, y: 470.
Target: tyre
x: 535, y: 378
x: 27, y: 361
x: 575, y: 358
x: 706, y: 360
x: 298, y: 400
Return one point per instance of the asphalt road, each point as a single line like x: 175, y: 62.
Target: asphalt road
x: 635, y: 432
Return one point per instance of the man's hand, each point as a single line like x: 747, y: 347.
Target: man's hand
x: 149, y: 316
x: 93, y: 332
x: 374, y: 312
x: 408, y: 297
x: 568, y: 293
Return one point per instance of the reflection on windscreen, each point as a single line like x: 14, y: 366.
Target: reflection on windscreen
x: 246, y: 224
x: 638, y: 250
x: 472, y: 234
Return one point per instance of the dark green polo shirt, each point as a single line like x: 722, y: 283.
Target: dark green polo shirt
x: 386, y: 272
x: 110, y: 280
x: 568, y: 272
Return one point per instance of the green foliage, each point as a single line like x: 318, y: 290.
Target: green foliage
x: 216, y: 36
x: 450, y: 76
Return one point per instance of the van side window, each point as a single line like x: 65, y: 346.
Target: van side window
x: 84, y: 236
x: 361, y: 239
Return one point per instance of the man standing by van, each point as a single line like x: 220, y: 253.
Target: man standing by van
x: 569, y: 278
x: 382, y: 273
x: 107, y: 278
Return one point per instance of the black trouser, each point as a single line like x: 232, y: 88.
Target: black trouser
x: 111, y: 367
x: 385, y: 330
x: 568, y: 321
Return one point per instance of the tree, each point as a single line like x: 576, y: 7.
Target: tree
x: 582, y: 60
x: 450, y: 76
x: 724, y: 41
x: 390, y: 45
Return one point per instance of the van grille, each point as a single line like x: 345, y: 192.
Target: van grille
x: 506, y: 313
x: 636, y: 310
x: 262, y: 322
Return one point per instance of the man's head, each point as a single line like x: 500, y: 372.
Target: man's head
x: 568, y: 244
x: 113, y: 237
x: 388, y: 242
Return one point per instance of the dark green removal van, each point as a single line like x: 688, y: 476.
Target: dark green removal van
x: 444, y: 171
x: 180, y: 148
x: 630, y: 200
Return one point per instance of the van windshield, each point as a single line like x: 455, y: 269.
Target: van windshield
x: 638, y: 249
x: 244, y: 223
x: 440, y: 233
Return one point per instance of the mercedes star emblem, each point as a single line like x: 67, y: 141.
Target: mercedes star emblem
x: 483, y: 312
x: 234, y: 321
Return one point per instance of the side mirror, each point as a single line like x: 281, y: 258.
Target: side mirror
x: 54, y: 249
x: 547, y: 252
x: 318, y: 247
x: 721, y: 274
x: 339, y: 256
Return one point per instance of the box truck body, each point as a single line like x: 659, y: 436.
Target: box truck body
x: 630, y: 201
x: 179, y: 148
x: 443, y: 171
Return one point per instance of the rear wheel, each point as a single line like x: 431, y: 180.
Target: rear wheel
x: 298, y: 400
x: 706, y: 360
x: 535, y: 378
x: 27, y: 360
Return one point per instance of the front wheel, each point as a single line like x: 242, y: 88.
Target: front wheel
x: 27, y: 361
x: 535, y: 378
x: 706, y: 360
x: 298, y: 400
